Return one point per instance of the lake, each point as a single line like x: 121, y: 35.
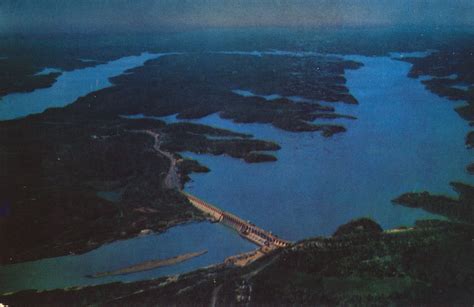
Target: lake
x: 69, y: 86
x: 404, y: 139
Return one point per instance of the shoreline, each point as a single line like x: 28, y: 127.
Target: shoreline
x: 150, y: 265
x: 350, y: 245
x: 168, y: 225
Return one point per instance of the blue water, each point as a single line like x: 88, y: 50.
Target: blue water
x: 247, y: 93
x: 70, y: 271
x: 47, y: 71
x: 405, y: 139
x: 274, y: 52
x: 464, y: 87
x: 68, y: 87
x: 271, y: 97
x: 414, y: 54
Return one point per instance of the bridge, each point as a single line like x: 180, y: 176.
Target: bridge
x: 266, y: 240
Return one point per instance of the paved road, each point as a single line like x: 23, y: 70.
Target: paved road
x: 172, y: 178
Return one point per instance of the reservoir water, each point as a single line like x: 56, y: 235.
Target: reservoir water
x: 68, y: 271
x: 404, y: 139
x: 69, y: 86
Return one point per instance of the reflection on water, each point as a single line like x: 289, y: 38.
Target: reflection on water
x: 405, y: 139
x: 68, y: 271
x: 68, y: 87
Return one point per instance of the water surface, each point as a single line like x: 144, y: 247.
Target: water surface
x: 68, y: 271
x: 405, y: 139
x: 68, y: 87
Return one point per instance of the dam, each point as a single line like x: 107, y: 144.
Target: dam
x: 266, y: 240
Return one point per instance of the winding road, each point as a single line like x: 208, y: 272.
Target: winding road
x: 172, y: 180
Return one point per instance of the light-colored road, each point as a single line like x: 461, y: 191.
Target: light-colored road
x: 172, y: 178
x: 215, y: 292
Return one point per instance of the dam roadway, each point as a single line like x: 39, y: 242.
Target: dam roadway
x: 266, y: 240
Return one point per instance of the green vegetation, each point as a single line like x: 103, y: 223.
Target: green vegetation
x: 188, y: 166
x: 56, y: 169
x: 82, y: 176
x: 470, y: 139
x: 16, y: 76
x: 200, y: 139
x: 450, y: 68
x: 57, y: 166
x: 362, y: 225
x: 461, y: 209
x: 52, y: 172
x: 429, y: 264
x: 196, y: 85
x: 470, y: 168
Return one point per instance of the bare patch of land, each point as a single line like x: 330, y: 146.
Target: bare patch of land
x: 150, y: 265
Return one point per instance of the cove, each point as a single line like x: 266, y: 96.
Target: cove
x: 405, y: 139
x: 68, y: 87
x: 68, y: 271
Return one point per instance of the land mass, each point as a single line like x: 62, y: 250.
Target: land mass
x: 451, y: 75
x: 77, y: 177
x: 430, y: 263
x: 150, y: 265
x: 209, y: 89
x: 461, y: 209
x: 57, y: 169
